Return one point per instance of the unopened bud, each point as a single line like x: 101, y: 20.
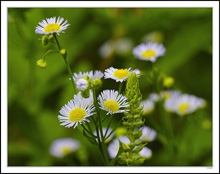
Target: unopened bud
x: 97, y: 83
x: 168, y: 82
x: 85, y: 94
x: 51, y: 38
x: 42, y: 63
x: 82, y: 84
x: 45, y: 40
x: 63, y: 52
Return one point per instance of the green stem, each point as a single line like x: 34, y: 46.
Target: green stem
x: 102, y: 143
x: 108, y: 126
x: 120, y: 87
x: 70, y: 75
x: 67, y: 64
x: 88, y: 131
x: 49, y: 51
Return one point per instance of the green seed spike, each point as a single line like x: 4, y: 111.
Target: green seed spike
x: 131, y: 121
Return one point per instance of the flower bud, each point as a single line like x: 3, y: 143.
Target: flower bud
x: 86, y: 93
x: 97, y: 83
x: 42, y: 63
x: 45, y: 40
x: 63, y: 52
x: 82, y: 84
x: 51, y: 38
x: 168, y: 82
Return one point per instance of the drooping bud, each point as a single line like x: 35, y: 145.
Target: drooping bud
x: 63, y: 53
x: 96, y: 83
x: 45, y: 40
x: 168, y: 82
x: 51, y: 38
x: 42, y: 63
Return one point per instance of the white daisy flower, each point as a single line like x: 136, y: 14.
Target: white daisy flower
x: 149, y: 51
x: 183, y: 104
x: 154, y: 97
x: 119, y: 75
x: 76, y: 111
x: 112, y: 102
x: 97, y: 74
x: 107, y: 49
x: 169, y: 93
x: 63, y: 146
x: 149, y: 106
x: 108, y: 132
x: 114, y: 145
x: 146, y: 153
x: 148, y: 134
x: 50, y: 25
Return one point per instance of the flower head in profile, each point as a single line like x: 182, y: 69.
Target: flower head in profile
x: 149, y: 106
x: 51, y: 25
x: 119, y: 75
x: 146, y: 153
x: 148, y: 134
x: 154, y: 97
x: 149, y: 52
x: 114, y: 145
x: 76, y: 112
x: 63, y: 146
x: 82, y: 83
x: 112, y: 102
x: 184, y: 104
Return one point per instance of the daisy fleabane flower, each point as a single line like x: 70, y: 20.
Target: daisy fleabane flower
x: 112, y: 102
x: 184, y: 104
x: 50, y: 26
x: 63, y: 146
x: 76, y: 112
x: 148, y: 134
x: 119, y: 75
x: 149, y: 52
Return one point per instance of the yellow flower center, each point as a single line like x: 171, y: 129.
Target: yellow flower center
x: 52, y: 28
x: 77, y: 114
x: 166, y: 95
x: 183, y: 107
x: 66, y: 150
x: 111, y: 105
x: 121, y: 73
x: 148, y: 54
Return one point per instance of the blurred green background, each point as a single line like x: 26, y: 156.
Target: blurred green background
x: 36, y: 95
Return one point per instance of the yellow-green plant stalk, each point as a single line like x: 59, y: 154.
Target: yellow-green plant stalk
x: 131, y: 121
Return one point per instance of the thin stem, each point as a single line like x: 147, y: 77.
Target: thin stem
x: 108, y: 126
x: 49, y: 51
x: 120, y: 87
x: 70, y: 75
x: 67, y: 64
x: 59, y: 46
x: 88, y: 131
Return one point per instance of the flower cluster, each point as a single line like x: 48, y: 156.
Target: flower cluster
x: 129, y: 144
